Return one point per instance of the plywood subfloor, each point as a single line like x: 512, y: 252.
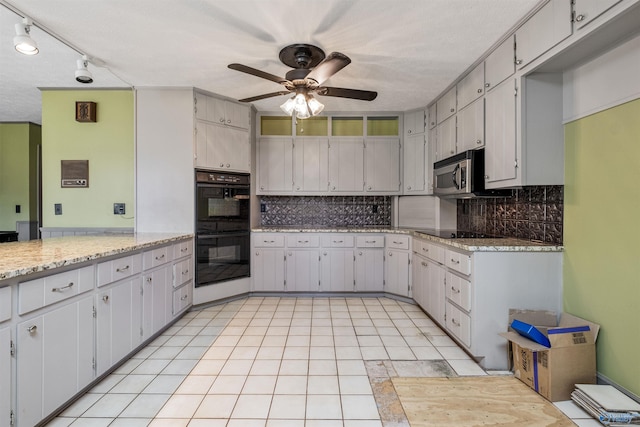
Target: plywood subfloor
x: 475, y: 401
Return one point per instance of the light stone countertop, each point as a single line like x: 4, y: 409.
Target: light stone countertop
x: 23, y: 258
x: 506, y: 244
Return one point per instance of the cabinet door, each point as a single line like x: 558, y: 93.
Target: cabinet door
x: 431, y: 116
x: 548, y: 27
x: 587, y: 10
x: 230, y: 149
x: 369, y: 270
x: 275, y: 166
x: 419, y: 281
x: 114, y: 325
x: 432, y: 149
x: 337, y: 270
x: 471, y: 127
x: 446, y: 105
x: 499, y: 64
x: 414, y: 122
x: 268, y: 270
x: 500, y: 132
x: 200, y: 106
x: 303, y: 271
x: 237, y: 115
x: 382, y: 163
x: 346, y: 165
x: 471, y: 87
x: 436, y: 291
x: 156, y: 300
x: 415, y: 164
x: 311, y: 164
x: 5, y: 373
x: 446, y: 138
x: 216, y: 110
x: 397, y: 272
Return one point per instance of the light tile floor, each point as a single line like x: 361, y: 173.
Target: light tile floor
x: 285, y: 362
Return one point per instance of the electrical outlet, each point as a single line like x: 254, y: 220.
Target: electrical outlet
x: 263, y: 207
x: 118, y: 208
x: 57, y: 208
x: 375, y: 208
x: 18, y: 208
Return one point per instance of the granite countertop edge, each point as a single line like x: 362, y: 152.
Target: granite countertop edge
x: 506, y: 244
x: 23, y: 258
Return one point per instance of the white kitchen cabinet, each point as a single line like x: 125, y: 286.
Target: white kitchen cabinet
x: 500, y: 64
x: 446, y: 105
x: 446, y: 138
x: 303, y: 270
x: 369, y: 263
x: 428, y: 280
x: 458, y: 323
x: 221, y: 111
x: 548, y: 27
x: 432, y: 156
x: 471, y: 87
x: 275, y: 166
x: 156, y: 300
x: 346, y: 165
x: 586, y: 11
x: 5, y: 373
x: 436, y: 291
x: 5, y: 304
x: 419, y: 280
x: 382, y: 165
x: 470, y: 131
x: 431, y: 116
x: 118, y: 269
x: 500, y: 133
x: 337, y: 270
x: 268, y: 270
x: 117, y: 323
x: 310, y: 165
x: 414, y: 122
x: 222, y: 147
x: 416, y: 159
x: 398, y: 264
x: 54, y: 359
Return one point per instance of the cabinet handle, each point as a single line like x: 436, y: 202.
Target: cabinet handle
x: 221, y: 165
x: 457, y: 291
x: 303, y: 241
x: 580, y: 18
x: 221, y: 119
x: 452, y: 152
x: 184, y: 297
x: 228, y: 120
x: 228, y: 165
x: 360, y: 253
x: 290, y: 254
x: 158, y: 258
x: 455, y: 322
x: 397, y: 243
x: 409, y: 187
x: 425, y: 250
x: 261, y: 187
x: 454, y: 261
x: 487, y: 85
x: 148, y: 279
x: 62, y: 289
x: 297, y: 188
x: 390, y: 254
x: 269, y: 241
x: 257, y: 253
x: 185, y: 272
x: 479, y: 141
x: 518, y: 61
x: 338, y: 241
x: 480, y: 90
x: 324, y: 253
x: 409, y: 131
x: 184, y: 249
x: 369, y: 241
x: 369, y: 188
x: 105, y: 298
x: 424, y: 264
x: 32, y: 329
x: 486, y: 177
x: 433, y: 123
x: 120, y: 270
x: 333, y: 188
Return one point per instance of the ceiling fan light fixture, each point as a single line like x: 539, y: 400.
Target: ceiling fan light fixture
x: 302, y: 106
x: 23, y: 41
x: 289, y: 106
x: 315, y: 106
x: 83, y: 75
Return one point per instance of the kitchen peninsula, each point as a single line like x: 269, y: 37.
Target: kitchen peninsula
x: 72, y: 308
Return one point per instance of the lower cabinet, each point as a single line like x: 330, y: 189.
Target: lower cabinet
x: 268, y: 270
x: 369, y: 271
x: 5, y: 373
x: 337, y: 270
x: 55, y: 359
x: 397, y: 265
x: 428, y: 286
x: 156, y: 302
x: 303, y: 270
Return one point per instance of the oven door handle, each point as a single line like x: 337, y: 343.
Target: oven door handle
x: 218, y: 236
x: 453, y: 176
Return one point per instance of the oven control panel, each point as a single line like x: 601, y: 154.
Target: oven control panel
x: 225, y: 178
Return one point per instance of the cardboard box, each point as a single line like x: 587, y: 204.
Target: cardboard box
x: 553, y: 372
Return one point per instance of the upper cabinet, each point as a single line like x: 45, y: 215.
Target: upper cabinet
x: 446, y: 106
x: 548, y: 27
x: 471, y: 87
x: 414, y: 122
x: 586, y: 11
x: 431, y: 116
x: 222, y: 112
x: 499, y: 64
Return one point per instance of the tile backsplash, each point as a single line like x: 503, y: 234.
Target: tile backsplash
x: 533, y: 213
x: 325, y: 211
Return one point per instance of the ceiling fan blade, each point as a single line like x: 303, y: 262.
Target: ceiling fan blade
x: 364, y: 95
x: 333, y: 63
x: 266, y: 95
x: 257, y: 73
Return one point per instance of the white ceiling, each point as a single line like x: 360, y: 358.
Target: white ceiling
x: 408, y: 51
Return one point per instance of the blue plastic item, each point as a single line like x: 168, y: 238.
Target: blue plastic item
x: 531, y: 332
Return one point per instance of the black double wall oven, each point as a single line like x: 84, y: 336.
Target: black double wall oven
x: 222, y: 226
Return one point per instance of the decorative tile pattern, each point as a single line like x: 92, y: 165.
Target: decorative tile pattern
x: 325, y: 211
x: 533, y: 213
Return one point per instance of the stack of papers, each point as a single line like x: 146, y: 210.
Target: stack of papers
x: 607, y: 404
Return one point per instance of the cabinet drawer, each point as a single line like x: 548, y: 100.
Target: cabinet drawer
x: 431, y: 251
x: 459, y: 324
x: 269, y: 240
x: 370, y: 241
x: 114, y: 270
x: 398, y: 242
x: 182, y: 249
x: 459, y: 291
x: 459, y: 262
x: 48, y: 290
x: 337, y: 241
x: 5, y: 303
x: 182, y: 272
x: 303, y: 240
x: 156, y: 257
x: 182, y: 298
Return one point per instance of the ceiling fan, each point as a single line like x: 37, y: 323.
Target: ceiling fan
x: 310, y: 69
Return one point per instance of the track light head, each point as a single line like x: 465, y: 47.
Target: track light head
x: 23, y: 41
x: 83, y: 75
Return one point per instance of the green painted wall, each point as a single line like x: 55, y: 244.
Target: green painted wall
x: 602, y: 233
x: 18, y: 173
x: 108, y: 144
